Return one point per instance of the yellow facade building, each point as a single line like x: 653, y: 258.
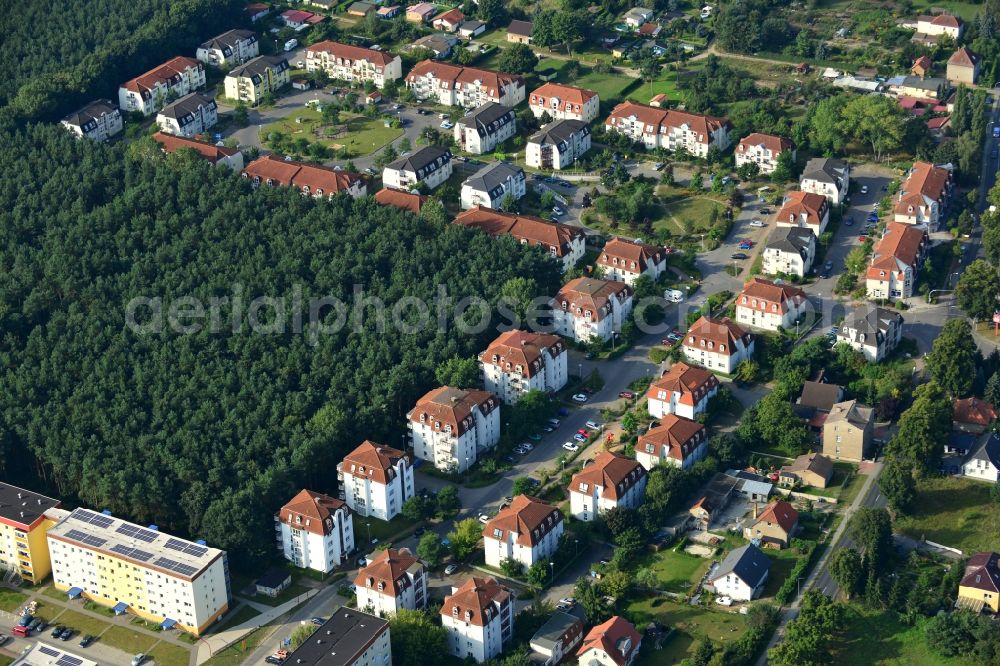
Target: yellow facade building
x: 980, y: 586
x: 23, y: 524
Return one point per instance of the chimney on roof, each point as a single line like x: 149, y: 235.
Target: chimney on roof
x: 755, y: 510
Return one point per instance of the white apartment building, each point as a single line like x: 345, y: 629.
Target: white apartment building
x: 564, y: 102
x: 139, y: 570
x: 808, y: 210
x: 789, y: 251
x: 683, y: 390
x: 431, y: 165
x: 522, y: 361
x: 348, y: 638
x: 984, y: 462
x: 563, y: 242
x: 624, y: 260
x: 217, y: 155
x: 450, y: 427
x: 482, y: 130
x: 923, y: 197
x: 375, y: 480
x: 717, y: 344
x: 395, y: 579
x: 896, y: 259
x: 586, y: 309
x: 873, y: 331
x: 315, y: 531
x: 189, y: 116
x: 655, y: 127
x: 526, y: 531
x: 149, y: 92
x: 257, y: 79
x: 770, y: 306
x: 942, y: 24
x: 99, y: 121
x: 558, y: 145
x: 676, y: 441
x: 233, y: 47
x: 828, y: 177
x: 492, y: 185
x: 479, y: 619
x: 468, y: 87
x: 763, y: 150
x: 353, y: 63
x: 611, y: 480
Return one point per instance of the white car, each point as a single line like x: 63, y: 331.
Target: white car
x: 447, y: 124
x: 724, y: 601
x: 580, y: 397
x: 450, y: 569
x: 484, y: 518
x: 301, y: 64
x: 526, y: 446
x: 568, y: 601
x: 570, y: 446
x: 864, y: 189
x: 756, y: 223
x: 592, y: 425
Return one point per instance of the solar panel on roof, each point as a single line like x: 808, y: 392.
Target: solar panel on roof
x: 101, y: 521
x: 196, y: 551
x: 45, y: 649
x: 165, y: 563
x: 176, y: 544
x: 69, y: 660
x: 149, y: 536
x: 127, y: 530
x: 96, y: 542
x: 185, y: 569
x: 124, y: 550
x: 141, y: 555
x: 76, y: 535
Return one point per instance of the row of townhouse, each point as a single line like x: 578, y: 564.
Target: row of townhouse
x: 896, y: 260
x: 310, y: 179
x: 656, y: 127
x: 257, y: 79
x: 469, y: 87
x: 923, y: 197
x: 149, y: 92
x: 344, y: 62
x: 563, y: 242
x: 222, y: 156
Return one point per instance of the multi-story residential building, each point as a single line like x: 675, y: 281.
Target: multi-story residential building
x: 100, y: 120
x: 587, y: 309
x: 257, y: 79
x: 717, y: 344
x: 809, y: 469
x: 848, y: 431
x: 395, y: 579
x: 676, y: 441
x: 217, y: 155
x: 479, y: 619
x: 25, y: 517
x: 189, y: 116
x: 311, y: 179
x: 315, y: 531
x: 637, y: 16
x: 923, y: 197
x: 492, y: 185
x: 353, y: 63
x: 468, y: 87
x: 611, y: 480
x: 431, y: 165
x: 624, y: 260
x: 558, y: 145
x: 873, y: 331
x: 451, y: 427
x: 804, y: 209
x: 485, y: 128
x: 742, y: 574
x: 980, y: 584
x: 896, y: 261
x: 38, y: 652
x: 233, y: 47
x: 941, y: 24
x: 564, y: 102
x: 827, y: 176
x: 401, y: 199
x: 984, y: 461
x: 149, y: 92
x: 348, y: 638
x: 683, y: 390
x: 375, y: 480
x: 522, y: 361
x: 526, y: 531
x: 667, y: 128
x: 563, y: 242
x: 556, y: 639
x: 121, y: 565
x: 763, y: 150
x: 612, y: 643
x: 774, y: 527
x: 789, y: 251
x: 769, y: 305
x: 963, y: 66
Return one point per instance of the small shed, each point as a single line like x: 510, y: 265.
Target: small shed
x: 274, y: 582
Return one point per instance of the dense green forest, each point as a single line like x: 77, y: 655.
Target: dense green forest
x: 56, y: 56
x: 208, y: 433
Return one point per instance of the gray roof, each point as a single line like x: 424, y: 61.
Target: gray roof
x: 186, y: 107
x: 91, y: 112
x: 559, y: 132
x: 255, y: 69
x: 988, y: 450
x: 857, y: 415
x: 748, y: 563
x: 228, y: 40
x: 422, y: 160
x: 931, y: 84
x: 551, y: 633
x: 471, y: 25
x: 341, y: 640
x: 825, y: 169
x: 790, y: 239
x: 493, y: 177
x: 522, y: 28
x: 23, y: 506
x: 438, y: 43
x: 872, y: 322
x: 820, y: 395
x: 756, y: 488
x: 489, y: 118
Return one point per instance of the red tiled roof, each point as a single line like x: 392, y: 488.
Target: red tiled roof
x: 613, y: 472
x: 492, y: 82
x: 568, y: 96
x: 780, y: 513
x: 923, y: 62
x: 453, y: 406
x: 629, y: 251
x: 901, y: 244
x: 525, y: 228
x: 523, y: 348
x: 528, y: 519
x: 813, y: 206
x: 692, y: 383
x: 388, y: 569
x: 478, y: 597
x: 296, y: 15
x: 766, y: 293
x: 589, y: 294
x: 963, y: 57
x: 400, y: 199
x: 319, y: 179
x: 723, y: 334
x: 649, y: 29
x: 676, y: 437
x: 776, y: 144
x: 352, y: 53
x: 982, y: 572
x: 315, y: 510
x: 169, y: 70
x: 925, y: 180
x: 373, y: 461
x: 938, y: 123
x: 209, y: 151
x: 974, y: 411
x: 616, y: 637
x: 946, y: 20
x: 654, y: 118
x: 451, y: 17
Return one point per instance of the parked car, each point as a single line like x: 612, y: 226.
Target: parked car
x: 362, y: 561
x: 554, y: 422
x: 526, y: 446
x: 745, y: 246
x: 447, y: 124
x: 580, y: 438
x: 582, y: 431
x: 56, y: 631
x: 4, y: 638
x: 570, y: 446
x: 724, y: 601
x: 864, y: 189
x: 34, y: 624
x: 42, y: 625
x: 318, y: 621
x: 765, y: 211
x: 828, y: 265
x: 484, y: 518
x: 756, y: 223
x: 628, y: 395
x: 450, y: 569
x: 419, y: 532
x: 569, y: 601
x: 738, y: 255
x: 557, y: 210
x: 580, y: 397
x: 593, y: 425
x: 138, y: 659
x: 547, y: 429
x: 271, y: 659
x: 67, y: 633
x: 535, y: 437
x: 862, y: 239
x: 849, y: 222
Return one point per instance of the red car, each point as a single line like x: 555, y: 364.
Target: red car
x: 628, y: 395
x: 583, y: 432
x: 862, y: 239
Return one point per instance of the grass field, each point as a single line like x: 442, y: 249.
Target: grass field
x: 82, y: 624
x: 665, y: 86
x: 244, y: 614
x: 5, y: 660
x: 293, y: 590
x: 880, y: 639
x: 237, y: 652
x: 782, y: 562
x: 361, y: 136
x: 676, y: 571
x: 52, y: 592
x: 689, y: 623
x: 47, y: 612
x: 165, y: 654
x: 128, y: 640
x: 955, y: 512
x: 10, y: 600
x: 610, y: 87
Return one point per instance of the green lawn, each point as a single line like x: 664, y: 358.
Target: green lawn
x: 5, y: 660
x: 167, y: 654
x: 47, y: 612
x: 128, y: 640
x: 676, y: 570
x: 955, y: 512
x: 880, y: 639
x: 52, y: 592
x: 666, y: 86
x: 689, y: 623
x: 83, y: 624
x: 358, y: 134
x: 782, y: 562
x: 99, y: 608
x: 11, y: 600
x: 244, y: 614
x: 610, y: 87
x: 237, y: 652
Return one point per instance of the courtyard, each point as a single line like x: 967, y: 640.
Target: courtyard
x: 354, y: 134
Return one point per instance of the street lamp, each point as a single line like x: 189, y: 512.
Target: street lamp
x: 576, y: 542
x: 552, y: 568
x: 368, y: 524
